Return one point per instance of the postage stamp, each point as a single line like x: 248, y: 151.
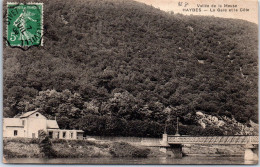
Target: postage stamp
x: 24, y: 24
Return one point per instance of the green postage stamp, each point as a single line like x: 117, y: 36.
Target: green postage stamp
x: 24, y: 24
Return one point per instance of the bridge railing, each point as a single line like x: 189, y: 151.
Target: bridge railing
x: 212, y: 139
x: 254, y: 139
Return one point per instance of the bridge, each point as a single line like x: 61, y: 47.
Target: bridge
x: 227, y: 140
x: 172, y: 144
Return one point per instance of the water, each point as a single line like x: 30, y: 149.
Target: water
x: 151, y: 160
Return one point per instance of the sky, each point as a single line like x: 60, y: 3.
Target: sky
x: 247, y: 9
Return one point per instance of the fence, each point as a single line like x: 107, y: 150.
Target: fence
x: 134, y: 140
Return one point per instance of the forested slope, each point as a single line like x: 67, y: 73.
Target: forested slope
x: 124, y: 68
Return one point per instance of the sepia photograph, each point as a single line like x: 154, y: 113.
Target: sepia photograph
x: 130, y: 82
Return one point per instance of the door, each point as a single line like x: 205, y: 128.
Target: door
x: 33, y: 135
x: 51, y: 134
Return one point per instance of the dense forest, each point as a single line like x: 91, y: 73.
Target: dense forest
x: 124, y: 68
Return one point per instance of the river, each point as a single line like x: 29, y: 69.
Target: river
x: 150, y: 160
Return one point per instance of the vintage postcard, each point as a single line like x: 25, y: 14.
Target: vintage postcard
x: 130, y: 82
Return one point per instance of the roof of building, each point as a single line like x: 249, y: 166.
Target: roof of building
x: 12, y: 122
x: 18, y: 115
x: 52, y: 124
x: 71, y: 130
x: 27, y: 114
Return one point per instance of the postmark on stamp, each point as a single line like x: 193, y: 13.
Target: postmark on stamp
x: 24, y: 24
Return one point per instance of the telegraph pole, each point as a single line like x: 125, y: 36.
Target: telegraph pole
x: 165, y: 128
x: 177, y: 129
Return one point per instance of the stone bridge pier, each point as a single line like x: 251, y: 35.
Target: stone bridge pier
x: 171, y: 150
x: 175, y: 150
x: 251, y: 152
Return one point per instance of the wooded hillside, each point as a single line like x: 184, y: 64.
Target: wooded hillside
x: 124, y: 68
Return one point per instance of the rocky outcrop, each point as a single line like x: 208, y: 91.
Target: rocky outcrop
x: 227, y: 124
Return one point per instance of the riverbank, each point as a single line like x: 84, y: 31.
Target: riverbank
x: 58, y: 148
x: 32, y: 148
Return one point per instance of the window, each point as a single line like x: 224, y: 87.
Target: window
x: 23, y: 122
x: 37, y: 115
x: 15, y: 132
x: 71, y: 135
x: 64, y: 134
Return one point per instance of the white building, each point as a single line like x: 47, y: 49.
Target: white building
x: 28, y: 125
